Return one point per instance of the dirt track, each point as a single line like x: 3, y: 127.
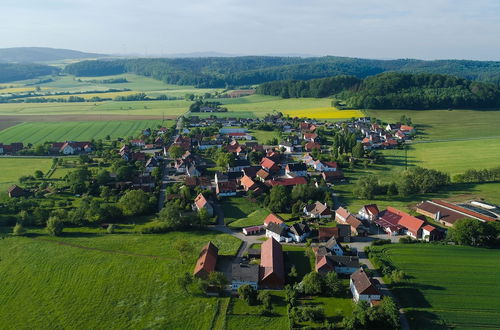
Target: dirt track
x: 52, y: 118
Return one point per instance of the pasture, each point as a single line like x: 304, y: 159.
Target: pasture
x: 445, y: 124
x: 454, y: 284
x: 40, y: 132
x: 12, y: 169
x: 103, y: 281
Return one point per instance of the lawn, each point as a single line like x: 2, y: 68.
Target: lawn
x: 454, y: 284
x: 100, y: 283
x: 239, y: 212
x: 35, y: 133
x: 13, y: 168
x: 263, y: 137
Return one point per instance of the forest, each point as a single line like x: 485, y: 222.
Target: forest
x: 220, y: 72
x: 13, y: 72
x: 393, y: 90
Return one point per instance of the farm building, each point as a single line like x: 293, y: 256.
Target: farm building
x: 242, y: 274
x: 369, y: 212
x: 206, y: 261
x: 339, y: 264
x: 363, y: 287
x: 272, y: 265
x: 253, y: 230
x: 447, y: 213
x: 16, y: 191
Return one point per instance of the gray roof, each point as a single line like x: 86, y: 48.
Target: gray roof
x: 245, y: 272
x: 331, y: 243
x: 344, y: 230
x: 278, y: 229
x: 300, y: 228
x: 344, y: 261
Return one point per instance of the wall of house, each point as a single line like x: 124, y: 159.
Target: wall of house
x: 236, y: 284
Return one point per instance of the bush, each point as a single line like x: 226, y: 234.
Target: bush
x: 381, y: 242
x: 18, y: 230
x: 155, y: 227
x: 54, y: 226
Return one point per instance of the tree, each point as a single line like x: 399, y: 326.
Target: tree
x: 278, y: 199
x: 175, y: 151
x: 265, y: 299
x: 105, y: 193
x: 293, y: 276
x: 171, y: 216
x: 184, y: 281
x: 312, y: 283
x: 134, y: 202
x: 54, y: 226
x: 365, y: 187
x: 358, y: 151
x: 333, y: 284
x: 184, y: 248
x: 291, y: 295
x: 38, y: 174
x: 248, y: 294
x: 204, y: 217
x: 217, y: 280
x: 390, y: 311
x: 18, y: 230
x: 472, y: 232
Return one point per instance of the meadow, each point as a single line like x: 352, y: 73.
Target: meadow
x: 454, y: 284
x: 103, y: 281
x: 40, y: 132
x: 12, y: 169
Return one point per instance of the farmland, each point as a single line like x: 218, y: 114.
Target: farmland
x: 324, y: 113
x: 13, y: 168
x: 455, y: 284
x: 103, y: 281
x: 39, y: 132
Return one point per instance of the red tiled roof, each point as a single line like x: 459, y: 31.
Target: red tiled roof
x: 287, y: 181
x: 363, y: 283
x: 267, y: 163
x: 372, y: 209
x: 262, y: 174
x: 312, y: 145
x: 207, y: 260
x: 325, y: 233
x: 429, y: 228
x: 464, y: 210
x: 271, y: 259
x: 200, y: 201
x: 342, y: 212
x: 273, y: 218
x: 247, y: 182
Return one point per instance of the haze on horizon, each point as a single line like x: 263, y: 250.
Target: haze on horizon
x: 423, y: 29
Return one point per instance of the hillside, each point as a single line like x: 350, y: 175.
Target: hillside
x: 249, y: 70
x: 12, y: 72
x: 41, y: 54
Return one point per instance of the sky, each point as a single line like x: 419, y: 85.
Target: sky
x: 424, y: 29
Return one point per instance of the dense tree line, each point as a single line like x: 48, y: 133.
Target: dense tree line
x: 308, y: 88
x: 478, y: 176
x: 420, y: 91
x: 248, y: 70
x: 12, y: 72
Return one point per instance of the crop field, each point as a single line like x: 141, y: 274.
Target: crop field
x: 13, y: 168
x: 35, y: 133
x: 103, y: 281
x: 324, y: 113
x: 88, y: 96
x: 456, y: 284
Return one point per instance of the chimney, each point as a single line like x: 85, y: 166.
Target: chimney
x: 437, y: 216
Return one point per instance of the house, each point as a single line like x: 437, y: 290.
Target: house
x: 275, y: 219
x: 225, y: 189
x: 412, y: 226
x: 389, y: 222
x: 193, y: 171
x: 262, y: 175
x: 253, y: 230
x: 341, y: 215
x: 363, y: 287
x: 240, y: 136
x: 332, y: 176
x: 344, y: 217
x: 272, y: 265
x: 312, y: 137
x: 310, y: 146
x: 151, y: 164
x: 200, y: 202
x: 345, y: 265
x: 369, y: 212
x: 448, y: 214
x: 16, y: 191
x: 269, y: 165
x: 293, y: 170
x: 286, y: 146
x: 299, y: 231
x: 242, y: 274
x: 317, y: 210
x: 334, y: 246
x: 325, y: 233
x: 138, y: 143
x: 286, y: 181
x: 251, y: 171
x: 239, y: 165
x: 206, y: 261
x: 248, y: 183
x: 344, y: 232
x: 67, y: 149
x: 430, y: 233
x: 323, y: 166
x: 278, y: 232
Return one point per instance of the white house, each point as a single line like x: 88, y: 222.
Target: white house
x: 287, y: 146
x: 317, y: 210
x: 299, y: 232
x: 293, y: 170
x: 325, y: 166
x: 334, y: 246
x: 369, y: 212
x: 278, y: 232
x: 67, y: 149
x: 363, y: 288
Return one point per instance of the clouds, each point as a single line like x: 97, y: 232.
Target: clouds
x: 361, y: 28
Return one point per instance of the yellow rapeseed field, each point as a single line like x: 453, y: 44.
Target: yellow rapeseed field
x: 324, y: 113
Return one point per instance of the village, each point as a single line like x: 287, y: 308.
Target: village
x: 203, y: 164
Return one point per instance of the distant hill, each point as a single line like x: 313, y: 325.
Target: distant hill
x: 250, y: 70
x: 41, y: 54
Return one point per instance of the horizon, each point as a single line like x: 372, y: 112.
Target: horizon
x: 443, y: 29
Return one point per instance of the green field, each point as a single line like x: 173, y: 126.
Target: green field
x: 239, y: 212
x: 103, y: 281
x: 458, y: 285
x: 33, y: 132
x: 12, y: 169
x: 444, y: 124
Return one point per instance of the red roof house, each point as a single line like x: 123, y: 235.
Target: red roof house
x: 273, y: 218
x: 206, y: 261
x: 272, y: 265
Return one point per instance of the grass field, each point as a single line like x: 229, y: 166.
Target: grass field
x: 239, y: 212
x: 444, y: 124
x: 13, y: 168
x: 264, y: 136
x: 451, y: 157
x: 35, y: 133
x: 103, y: 281
x: 452, y: 283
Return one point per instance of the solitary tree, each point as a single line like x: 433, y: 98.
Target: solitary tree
x: 18, y: 230
x: 54, y: 226
x: 248, y: 294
